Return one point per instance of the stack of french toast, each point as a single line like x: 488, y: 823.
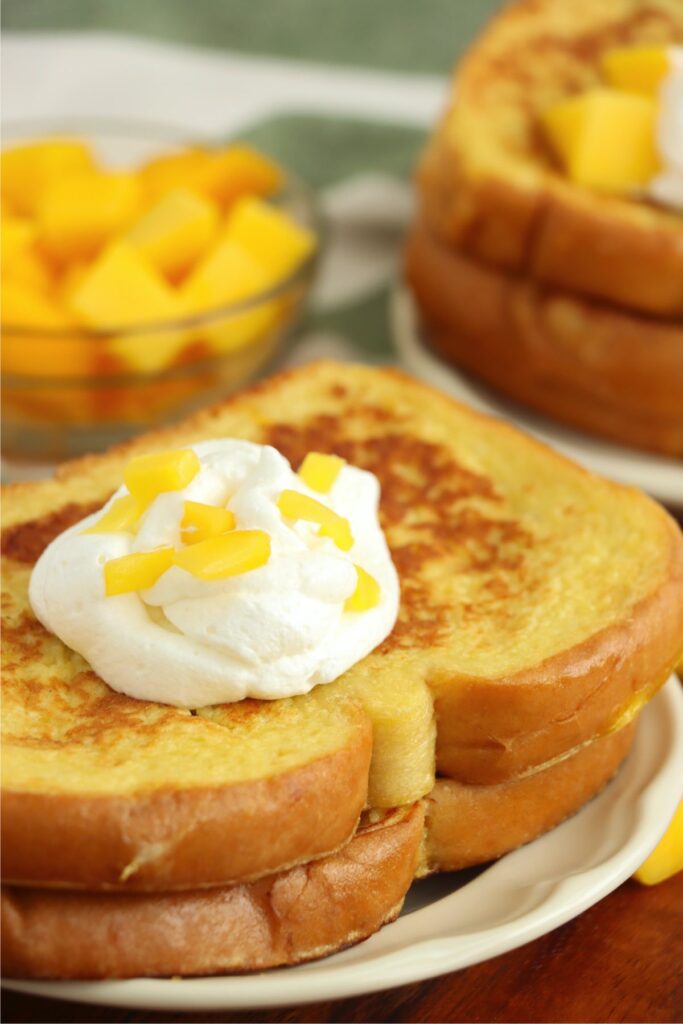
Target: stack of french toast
x: 541, y: 608
x: 566, y: 298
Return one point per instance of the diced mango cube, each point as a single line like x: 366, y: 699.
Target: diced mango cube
x: 605, y: 139
x: 18, y: 235
x: 339, y: 530
x: 272, y: 238
x: 78, y: 214
x: 147, y: 476
x: 20, y: 261
x: 636, y: 68
x: 667, y: 857
x: 136, y: 572
x: 200, y: 522
x: 27, y: 170
x: 222, y: 175
x: 189, y: 168
x: 319, y: 471
x: 230, y: 554
x: 175, y: 231
x: 54, y: 353
x: 240, y: 170
x: 366, y: 595
x: 121, y: 289
x: 122, y: 516
x: 295, y: 505
x: 227, y: 275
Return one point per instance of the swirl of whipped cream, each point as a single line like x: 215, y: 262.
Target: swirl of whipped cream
x: 667, y: 186
x: 276, y: 631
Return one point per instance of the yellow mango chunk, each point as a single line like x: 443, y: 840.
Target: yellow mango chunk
x: 200, y: 522
x: 605, y: 139
x: 667, y: 857
x: 119, y: 289
x: 40, y: 355
x: 272, y: 238
x: 27, y: 170
x: 122, y: 516
x: 366, y: 595
x: 638, y: 69
x: 136, y: 572
x: 319, y: 472
x: 240, y: 170
x: 231, y: 554
x: 147, y: 476
x: 192, y: 169
x: 222, y: 175
x: 227, y: 275
x: 78, y: 214
x: 295, y: 505
x: 175, y: 231
x: 20, y: 261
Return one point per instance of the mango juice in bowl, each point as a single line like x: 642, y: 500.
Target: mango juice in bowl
x: 142, y: 277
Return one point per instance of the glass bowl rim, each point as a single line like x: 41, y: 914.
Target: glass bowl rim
x: 293, y: 186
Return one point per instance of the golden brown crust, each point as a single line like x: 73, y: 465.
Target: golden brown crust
x: 183, y: 839
x: 301, y: 914
x: 572, y: 697
x: 488, y: 184
x: 593, y: 366
x: 468, y: 825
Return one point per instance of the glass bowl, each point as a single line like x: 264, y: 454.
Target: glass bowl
x: 52, y: 409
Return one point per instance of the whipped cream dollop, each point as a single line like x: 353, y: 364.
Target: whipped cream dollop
x: 667, y: 186
x: 275, y: 631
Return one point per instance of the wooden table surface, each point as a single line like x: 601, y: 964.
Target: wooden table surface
x: 622, y: 960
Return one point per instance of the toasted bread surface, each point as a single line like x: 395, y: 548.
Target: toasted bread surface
x: 468, y: 825
x: 307, y: 912
x: 590, y: 364
x: 488, y: 181
x: 537, y: 602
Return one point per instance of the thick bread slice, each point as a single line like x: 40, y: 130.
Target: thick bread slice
x: 598, y: 368
x: 301, y: 914
x: 539, y: 605
x: 489, y: 184
x: 468, y: 825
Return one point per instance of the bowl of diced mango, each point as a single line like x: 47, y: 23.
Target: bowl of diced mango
x: 142, y: 277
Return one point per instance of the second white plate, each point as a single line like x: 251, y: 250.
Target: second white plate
x: 659, y: 476
x: 452, y: 921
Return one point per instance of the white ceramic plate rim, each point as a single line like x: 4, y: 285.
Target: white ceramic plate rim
x: 659, y: 476
x: 572, y: 868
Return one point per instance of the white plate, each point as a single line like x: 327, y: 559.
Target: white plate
x: 450, y: 922
x: 659, y: 476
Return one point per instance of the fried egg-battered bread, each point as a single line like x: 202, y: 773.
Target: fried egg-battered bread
x: 488, y: 181
x: 540, y: 606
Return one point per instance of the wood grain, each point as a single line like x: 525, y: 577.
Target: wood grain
x: 620, y: 961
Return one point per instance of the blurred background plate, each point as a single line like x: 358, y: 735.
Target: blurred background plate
x: 661, y: 477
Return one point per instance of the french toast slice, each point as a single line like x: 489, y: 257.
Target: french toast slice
x: 301, y: 914
x: 540, y: 606
x: 595, y: 367
x: 467, y: 825
x: 488, y: 182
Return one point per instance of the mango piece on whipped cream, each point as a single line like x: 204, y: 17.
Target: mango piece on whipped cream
x: 137, y: 571
x: 666, y: 859
x: 366, y: 595
x: 122, y: 516
x: 319, y: 471
x: 200, y: 522
x: 295, y: 505
x: 231, y: 554
x: 638, y: 69
x: 147, y: 476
